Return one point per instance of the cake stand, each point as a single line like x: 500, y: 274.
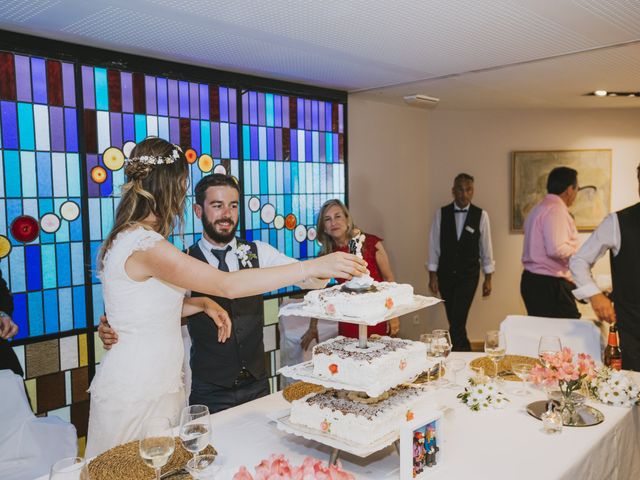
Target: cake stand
x: 304, y: 371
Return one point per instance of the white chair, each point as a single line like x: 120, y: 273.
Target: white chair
x: 186, y: 366
x: 522, y: 334
x: 29, y: 445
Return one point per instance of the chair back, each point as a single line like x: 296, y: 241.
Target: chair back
x: 522, y: 334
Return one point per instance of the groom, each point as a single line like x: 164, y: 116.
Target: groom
x: 226, y: 374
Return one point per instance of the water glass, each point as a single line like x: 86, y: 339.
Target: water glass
x: 195, y: 428
x: 495, y: 346
x: 202, y: 467
x: 455, y: 365
x: 548, y: 345
x: 429, y: 340
x: 71, y: 468
x: 443, y: 345
x: 522, y: 370
x: 157, y: 443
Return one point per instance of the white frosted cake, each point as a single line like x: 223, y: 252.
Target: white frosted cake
x: 334, y: 301
x: 355, y: 417
x: 388, y: 360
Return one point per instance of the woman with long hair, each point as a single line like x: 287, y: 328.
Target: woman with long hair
x: 335, y: 229
x: 144, y: 280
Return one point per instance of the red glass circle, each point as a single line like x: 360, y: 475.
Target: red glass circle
x: 25, y: 229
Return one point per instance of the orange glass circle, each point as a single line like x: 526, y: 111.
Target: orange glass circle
x: 5, y: 246
x: 192, y: 155
x: 205, y: 163
x: 113, y: 158
x: 290, y: 221
x: 98, y: 174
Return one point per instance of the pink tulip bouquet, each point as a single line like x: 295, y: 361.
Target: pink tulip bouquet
x: 277, y: 467
x: 561, y: 370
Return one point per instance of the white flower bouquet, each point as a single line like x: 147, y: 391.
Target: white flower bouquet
x: 481, y: 395
x: 614, y: 388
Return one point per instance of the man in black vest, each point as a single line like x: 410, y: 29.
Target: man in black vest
x: 226, y: 374
x: 459, y: 242
x: 619, y: 233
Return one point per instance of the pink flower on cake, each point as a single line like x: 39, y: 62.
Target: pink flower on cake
x: 325, y: 426
x: 330, y: 309
x: 389, y: 303
x: 403, y: 364
x: 333, y: 368
x: 409, y: 415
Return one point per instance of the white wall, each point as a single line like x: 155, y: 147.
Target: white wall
x: 401, y: 167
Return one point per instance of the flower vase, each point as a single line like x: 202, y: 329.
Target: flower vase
x: 570, y: 404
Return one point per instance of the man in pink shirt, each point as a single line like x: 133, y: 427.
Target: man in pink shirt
x: 550, y: 239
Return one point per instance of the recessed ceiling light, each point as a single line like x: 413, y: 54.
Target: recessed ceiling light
x: 600, y: 93
x: 613, y: 94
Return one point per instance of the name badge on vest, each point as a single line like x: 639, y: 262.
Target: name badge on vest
x: 469, y: 229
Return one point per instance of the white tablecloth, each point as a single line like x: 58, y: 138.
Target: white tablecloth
x: 493, y: 444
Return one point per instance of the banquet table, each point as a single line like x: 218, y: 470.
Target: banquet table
x: 492, y: 444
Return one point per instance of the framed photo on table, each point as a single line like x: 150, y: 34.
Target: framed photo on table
x: 421, y: 445
x: 529, y: 186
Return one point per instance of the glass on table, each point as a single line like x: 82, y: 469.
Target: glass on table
x: 195, y: 428
x: 456, y: 365
x: 202, y: 467
x: 522, y: 370
x: 71, y: 468
x: 429, y: 340
x: 548, y: 345
x: 443, y: 346
x: 495, y: 346
x: 156, y: 443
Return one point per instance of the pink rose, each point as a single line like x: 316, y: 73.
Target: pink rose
x: 242, y: 474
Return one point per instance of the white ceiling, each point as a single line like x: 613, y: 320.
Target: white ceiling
x: 468, y: 53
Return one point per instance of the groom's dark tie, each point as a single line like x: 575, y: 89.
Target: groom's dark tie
x: 221, y: 256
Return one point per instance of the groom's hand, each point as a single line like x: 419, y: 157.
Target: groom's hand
x: 107, y: 334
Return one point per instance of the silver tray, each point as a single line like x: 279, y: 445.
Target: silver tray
x: 586, y: 416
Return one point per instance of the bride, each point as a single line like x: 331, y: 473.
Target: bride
x: 144, y: 281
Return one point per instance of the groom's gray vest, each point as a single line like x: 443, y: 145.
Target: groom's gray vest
x: 220, y: 363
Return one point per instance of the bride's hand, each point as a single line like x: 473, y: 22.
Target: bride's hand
x: 220, y: 317
x: 336, y: 265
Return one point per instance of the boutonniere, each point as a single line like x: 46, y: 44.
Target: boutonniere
x: 245, y: 255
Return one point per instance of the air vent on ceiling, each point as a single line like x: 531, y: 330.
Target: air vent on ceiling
x: 424, y: 101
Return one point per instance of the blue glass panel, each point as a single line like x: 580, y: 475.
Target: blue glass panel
x: 128, y: 127
x: 328, y: 140
x: 25, y: 123
x: 294, y: 145
x: 106, y: 208
x: 269, y: 109
x: 34, y: 272
x: 141, y: 128
x: 9, y: 125
x: 314, y: 115
x: 77, y: 263
x: 224, y: 104
x: 95, y: 247
x: 163, y: 127
x: 20, y: 315
x: 246, y: 143
x: 98, y: 304
x: 205, y: 137
x: 36, y: 317
x: 75, y: 228
x: 233, y: 106
x: 261, y: 110
x: 48, y: 266
x: 43, y: 161
x: 233, y: 140
x: 59, y: 171
x: 71, y: 130
x: 88, y: 90
x: 204, y: 102
x: 12, y: 174
x: 51, y: 311
x: 41, y: 119
x: 183, y: 88
x: 28, y: 172
x: 262, y: 143
x: 264, y: 177
x: 63, y: 260
x: 308, y: 147
x: 161, y: 84
x: 224, y: 140
x: 79, y: 309
x: 65, y: 309
x: 195, y: 136
x: 17, y: 271
x: 39, y: 83
x: 102, y: 89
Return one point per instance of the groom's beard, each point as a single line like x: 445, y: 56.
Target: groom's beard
x: 215, y: 235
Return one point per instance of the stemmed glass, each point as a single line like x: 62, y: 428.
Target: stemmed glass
x: 195, y: 428
x: 522, y: 370
x: 455, y: 365
x: 72, y: 468
x: 429, y: 340
x: 495, y: 346
x: 550, y: 346
x: 443, y: 345
x: 156, y: 444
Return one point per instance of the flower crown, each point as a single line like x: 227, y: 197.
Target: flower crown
x: 153, y: 160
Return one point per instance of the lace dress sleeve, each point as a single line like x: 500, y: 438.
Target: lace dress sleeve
x: 124, y: 245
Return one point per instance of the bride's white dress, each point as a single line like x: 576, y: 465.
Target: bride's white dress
x: 141, y: 376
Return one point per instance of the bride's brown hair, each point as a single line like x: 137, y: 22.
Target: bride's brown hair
x: 151, y: 188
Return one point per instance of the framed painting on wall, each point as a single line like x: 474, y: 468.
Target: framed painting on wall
x: 529, y: 185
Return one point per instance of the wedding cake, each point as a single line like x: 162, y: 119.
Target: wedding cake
x: 393, y: 360
x: 353, y: 416
x: 374, y: 301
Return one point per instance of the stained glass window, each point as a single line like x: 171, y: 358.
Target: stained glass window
x: 41, y: 247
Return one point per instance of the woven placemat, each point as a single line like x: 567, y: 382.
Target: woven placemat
x: 503, y: 366
x: 298, y: 390
x: 124, y: 461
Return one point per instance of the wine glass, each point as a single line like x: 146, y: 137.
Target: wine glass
x: 202, y: 467
x: 71, y: 468
x: 443, y: 345
x: 157, y: 443
x: 522, y: 370
x: 455, y: 365
x: 429, y: 340
x: 195, y: 428
x: 495, y: 346
x: 548, y: 345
